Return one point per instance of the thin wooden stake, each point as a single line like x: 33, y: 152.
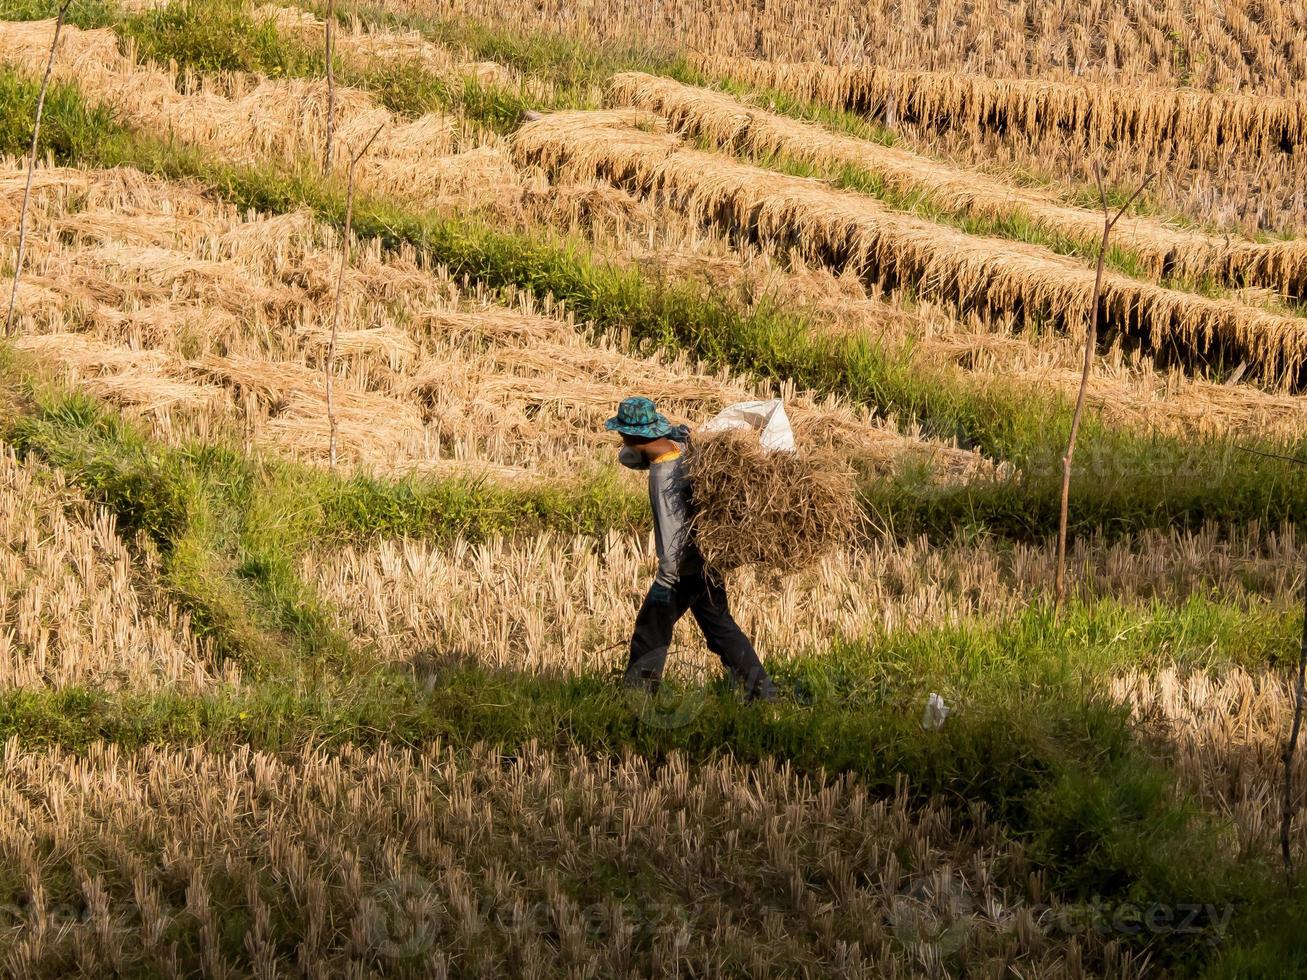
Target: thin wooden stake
x: 31, y: 167
x: 1091, y: 341
x: 340, y: 280
x: 1291, y: 747
x: 1299, y: 697
x: 330, y: 32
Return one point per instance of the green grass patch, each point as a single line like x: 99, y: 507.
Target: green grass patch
x: 86, y: 14
x: 226, y: 36
x: 213, y: 36
x: 71, y: 128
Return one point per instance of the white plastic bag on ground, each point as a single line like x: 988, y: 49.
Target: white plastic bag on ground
x: 932, y: 719
x: 767, y: 418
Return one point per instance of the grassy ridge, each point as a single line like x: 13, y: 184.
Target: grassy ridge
x: 229, y: 528
x: 1013, y: 226
x: 224, y: 36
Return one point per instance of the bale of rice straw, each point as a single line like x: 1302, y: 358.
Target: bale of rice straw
x: 781, y: 511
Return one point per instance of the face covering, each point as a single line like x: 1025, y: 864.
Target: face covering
x: 632, y: 459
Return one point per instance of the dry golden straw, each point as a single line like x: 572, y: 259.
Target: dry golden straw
x: 366, y: 46
x: 780, y: 510
x: 430, y: 863
x: 31, y: 166
x: 215, y: 323
x: 1096, y: 115
x: 247, y: 119
x: 733, y: 124
x: 1134, y: 393
x: 329, y: 366
x: 1224, y: 733
x: 1226, y: 46
x: 846, y: 229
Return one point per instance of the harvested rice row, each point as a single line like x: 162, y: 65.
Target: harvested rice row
x: 434, y: 864
x: 1128, y: 390
x: 1227, y: 193
x: 850, y: 230
x: 1098, y: 115
x: 514, y: 398
x: 212, y: 322
x: 76, y: 607
x: 553, y: 604
x: 248, y: 120
x: 1125, y: 390
x: 1219, y: 188
x: 1219, y: 45
x: 579, y: 203
x: 732, y: 124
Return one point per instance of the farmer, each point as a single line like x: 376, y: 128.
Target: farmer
x: 650, y: 442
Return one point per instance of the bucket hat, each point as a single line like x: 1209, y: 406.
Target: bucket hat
x: 639, y: 417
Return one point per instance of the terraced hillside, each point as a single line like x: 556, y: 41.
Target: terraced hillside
x: 266, y: 714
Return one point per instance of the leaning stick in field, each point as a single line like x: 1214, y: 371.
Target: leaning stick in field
x: 329, y: 32
x: 340, y: 280
x: 1291, y: 747
x: 1295, y: 728
x: 31, y: 166
x: 1091, y: 341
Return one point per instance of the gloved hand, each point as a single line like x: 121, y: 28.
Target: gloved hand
x: 660, y: 595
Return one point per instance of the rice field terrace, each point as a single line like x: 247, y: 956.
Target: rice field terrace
x: 319, y: 568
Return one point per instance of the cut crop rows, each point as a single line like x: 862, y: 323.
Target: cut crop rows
x: 845, y: 229
x: 1163, y: 250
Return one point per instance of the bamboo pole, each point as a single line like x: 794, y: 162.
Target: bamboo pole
x: 31, y: 167
x: 340, y: 280
x: 1091, y: 341
x: 329, y: 32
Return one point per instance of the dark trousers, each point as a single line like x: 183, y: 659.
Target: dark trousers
x: 707, y: 601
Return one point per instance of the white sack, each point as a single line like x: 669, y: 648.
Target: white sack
x: 767, y: 418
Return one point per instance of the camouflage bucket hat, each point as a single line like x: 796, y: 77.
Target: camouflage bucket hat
x: 638, y: 417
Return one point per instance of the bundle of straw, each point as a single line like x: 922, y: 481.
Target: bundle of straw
x: 780, y: 510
